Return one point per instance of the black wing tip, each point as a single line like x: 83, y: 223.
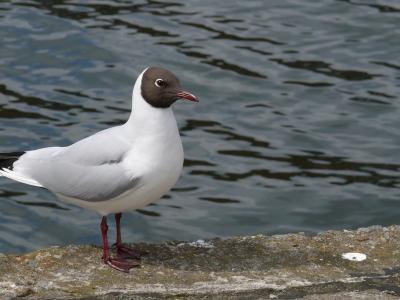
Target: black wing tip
x: 7, y: 160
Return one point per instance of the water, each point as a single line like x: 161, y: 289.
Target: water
x: 296, y: 129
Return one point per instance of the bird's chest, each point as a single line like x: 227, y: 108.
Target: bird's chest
x: 156, y: 160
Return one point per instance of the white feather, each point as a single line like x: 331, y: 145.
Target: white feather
x: 17, y: 177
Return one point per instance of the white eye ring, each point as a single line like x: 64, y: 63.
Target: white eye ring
x: 159, y: 82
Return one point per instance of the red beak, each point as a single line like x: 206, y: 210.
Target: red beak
x: 187, y: 96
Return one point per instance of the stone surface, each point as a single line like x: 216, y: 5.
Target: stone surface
x: 291, y: 266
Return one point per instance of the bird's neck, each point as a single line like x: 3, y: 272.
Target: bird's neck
x: 148, y: 120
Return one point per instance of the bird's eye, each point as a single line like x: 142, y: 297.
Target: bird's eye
x: 159, y: 82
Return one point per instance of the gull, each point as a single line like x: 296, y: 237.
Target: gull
x: 118, y: 169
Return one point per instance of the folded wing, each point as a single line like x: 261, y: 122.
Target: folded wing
x: 92, y: 169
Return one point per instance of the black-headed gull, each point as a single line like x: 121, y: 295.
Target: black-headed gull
x: 118, y: 169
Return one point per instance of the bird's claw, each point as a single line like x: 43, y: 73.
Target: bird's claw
x: 120, y: 264
x: 126, y: 252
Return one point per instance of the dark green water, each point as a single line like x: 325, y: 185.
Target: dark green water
x: 297, y: 128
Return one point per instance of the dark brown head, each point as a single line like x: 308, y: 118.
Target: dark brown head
x: 160, y: 88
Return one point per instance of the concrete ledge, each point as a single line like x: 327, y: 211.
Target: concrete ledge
x: 288, y: 266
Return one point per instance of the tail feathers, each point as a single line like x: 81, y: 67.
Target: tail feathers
x: 7, y: 161
x: 18, y: 177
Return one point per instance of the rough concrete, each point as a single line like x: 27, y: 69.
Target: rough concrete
x: 292, y: 266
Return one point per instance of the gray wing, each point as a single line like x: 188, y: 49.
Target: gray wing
x: 91, y: 169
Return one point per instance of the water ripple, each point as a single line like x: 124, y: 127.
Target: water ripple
x: 326, y: 69
x: 40, y: 103
x: 296, y: 129
x: 380, y: 7
x: 227, y: 36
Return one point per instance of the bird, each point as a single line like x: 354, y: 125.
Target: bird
x: 118, y: 169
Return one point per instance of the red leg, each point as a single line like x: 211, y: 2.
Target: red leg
x: 122, y: 251
x: 120, y: 264
x: 104, y: 228
x: 118, y: 223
